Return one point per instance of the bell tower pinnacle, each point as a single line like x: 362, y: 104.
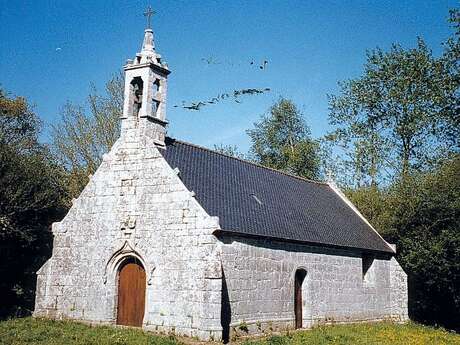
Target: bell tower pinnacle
x: 146, y: 77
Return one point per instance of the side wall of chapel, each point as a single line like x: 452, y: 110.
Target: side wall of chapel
x: 258, y: 293
x: 135, y: 205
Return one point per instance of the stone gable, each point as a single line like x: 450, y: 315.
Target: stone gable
x: 135, y: 205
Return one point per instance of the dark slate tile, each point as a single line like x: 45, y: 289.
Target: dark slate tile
x: 290, y: 208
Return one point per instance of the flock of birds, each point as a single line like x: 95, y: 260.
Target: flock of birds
x: 235, y: 94
x: 213, y: 61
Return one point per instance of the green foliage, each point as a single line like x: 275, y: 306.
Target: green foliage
x: 393, y: 118
x: 229, y: 150
x: 372, y: 202
x: 426, y: 225
x: 281, y: 140
x: 30, y: 200
x: 18, y: 123
x: 279, y: 340
x: 421, y: 214
x: 382, y: 333
x: 243, y: 326
x: 82, y: 136
x: 451, y: 58
x: 399, y: 124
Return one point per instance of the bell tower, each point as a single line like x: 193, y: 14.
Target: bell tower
x: 146, y: 77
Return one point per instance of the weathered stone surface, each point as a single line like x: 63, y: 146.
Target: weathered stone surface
x: 148, y: 217
x: 260, y: 280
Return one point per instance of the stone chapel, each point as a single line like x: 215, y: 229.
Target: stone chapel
x: 173, y: 237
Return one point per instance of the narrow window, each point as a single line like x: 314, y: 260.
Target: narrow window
x: 155, y: 107
x: 156, y: 89
x: 367, y: 261
x: 156, y: 86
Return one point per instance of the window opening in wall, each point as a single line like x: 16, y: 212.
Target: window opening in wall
x: 156, y: 97
x: 367, y: 261
x: 155, y: 107
x: 300, y: 275
x: 156, y: 86
x: 137, y: 86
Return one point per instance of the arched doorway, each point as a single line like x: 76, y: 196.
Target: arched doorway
x: 300, y: 275
x: 131, y: 293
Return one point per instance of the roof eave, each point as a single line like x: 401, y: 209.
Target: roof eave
x: 315, y: 244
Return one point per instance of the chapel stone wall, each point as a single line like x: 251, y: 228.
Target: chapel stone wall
x: 259, y: 279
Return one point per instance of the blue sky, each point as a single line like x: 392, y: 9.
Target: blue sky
x: 309, y: 46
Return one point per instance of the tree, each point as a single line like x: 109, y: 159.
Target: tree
x: 392, y: 119
x: 18, y: 123
x: 451, y: 58
x: 30, y: 200
x: 229, y: 150
x: 281, y: 140
x: 421, y: 215
x: 86, y: 132
x: 401, y: 120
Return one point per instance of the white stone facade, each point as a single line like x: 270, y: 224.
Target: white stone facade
x: 135, y: 205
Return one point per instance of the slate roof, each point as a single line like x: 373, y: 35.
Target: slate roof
x: 257, y: 201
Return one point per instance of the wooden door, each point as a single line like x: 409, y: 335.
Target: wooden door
x: 131, y: 294
x: 299, y: 278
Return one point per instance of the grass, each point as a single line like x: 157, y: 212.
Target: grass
x: 381, y: 333
x: 40, y: 332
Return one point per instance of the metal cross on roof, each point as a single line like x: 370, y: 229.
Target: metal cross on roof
x: 149, y: 13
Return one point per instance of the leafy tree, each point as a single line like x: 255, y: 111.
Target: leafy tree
x: 18, y: 123
x: 451, y: 58
x: 392, y: 119
x: 281, y: 140
x: 229, y: 150
x: 86, y: 132
x: 425, y: 224
x: 30, y: 200
x: 400, y: 119
x: 372, y: 202
x: 422, y: 216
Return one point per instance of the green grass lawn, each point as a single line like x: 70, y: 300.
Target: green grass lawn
x: 38, y: 331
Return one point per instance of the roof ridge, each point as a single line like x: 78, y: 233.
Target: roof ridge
x: 248, y: 162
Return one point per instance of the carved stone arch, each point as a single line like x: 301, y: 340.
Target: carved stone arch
x: 126, y: 252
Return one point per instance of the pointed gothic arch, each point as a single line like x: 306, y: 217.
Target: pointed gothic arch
x: 141, y: 270
x: 126, y: 251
